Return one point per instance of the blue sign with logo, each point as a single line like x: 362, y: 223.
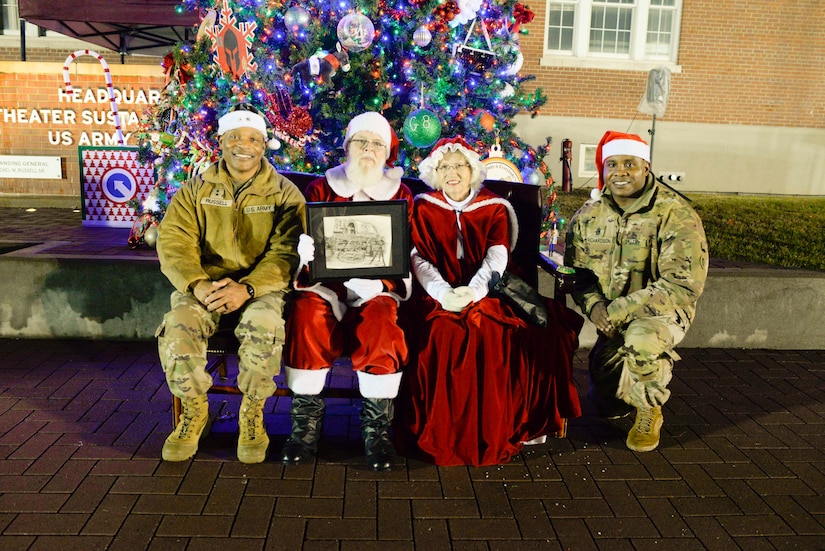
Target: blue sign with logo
x: 119, y: 185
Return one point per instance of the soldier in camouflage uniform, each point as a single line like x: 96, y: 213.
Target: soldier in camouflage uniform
x: 643, y: 257
x: 228, y: 243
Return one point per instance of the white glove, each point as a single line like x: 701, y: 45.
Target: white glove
x: 456, y: 300
x: 364, y: 288
x: 306, y: 249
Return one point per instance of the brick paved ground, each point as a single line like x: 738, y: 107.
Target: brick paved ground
x: 741, y: 466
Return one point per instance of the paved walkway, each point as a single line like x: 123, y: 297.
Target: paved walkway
x: 741, y: 466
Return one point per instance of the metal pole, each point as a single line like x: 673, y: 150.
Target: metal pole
x: 22, y: 40
x: 652, y: 133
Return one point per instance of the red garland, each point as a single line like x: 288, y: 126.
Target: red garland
x: 283, y: 116
x: 398, y: 15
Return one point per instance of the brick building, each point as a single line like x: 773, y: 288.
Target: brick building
x: 745, y: 111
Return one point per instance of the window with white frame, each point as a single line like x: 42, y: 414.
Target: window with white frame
x: 630, y: 34
x: 9, y: 21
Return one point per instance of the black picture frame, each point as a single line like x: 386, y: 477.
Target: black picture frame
x: 366, y: 239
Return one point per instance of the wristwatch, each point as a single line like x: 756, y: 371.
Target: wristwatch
x: 251, y: 290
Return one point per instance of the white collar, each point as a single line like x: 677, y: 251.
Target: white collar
x: 459, y: 205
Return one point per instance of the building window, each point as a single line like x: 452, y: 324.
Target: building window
x: 9, y: 21
x: 621, y: 34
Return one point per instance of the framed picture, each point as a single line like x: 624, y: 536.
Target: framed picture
x: 587, y: 161
x: 369, y: 239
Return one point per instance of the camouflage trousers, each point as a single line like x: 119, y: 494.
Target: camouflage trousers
x: 635, y: 366
x: 186, y: 328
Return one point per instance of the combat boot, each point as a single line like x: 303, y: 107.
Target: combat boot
x: 307, y: 413
x: 376, y: 417
x: 182, y: 444
x: 252, y: 439
x: 644, y: 434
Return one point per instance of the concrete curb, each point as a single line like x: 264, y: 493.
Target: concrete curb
x: 749, y: 308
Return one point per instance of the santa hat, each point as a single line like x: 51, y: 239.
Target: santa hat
x: 619, y: 143
x: 426, y: 168
x: 377, y: 124
x: 245, y: 115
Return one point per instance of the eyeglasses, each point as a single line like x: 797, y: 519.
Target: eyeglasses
x: 234, y: 139
x: 444, y: 169
x: 364, y: 144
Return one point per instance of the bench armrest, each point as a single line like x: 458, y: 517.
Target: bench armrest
x: 565, y: 276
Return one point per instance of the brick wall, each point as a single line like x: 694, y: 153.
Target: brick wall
x: 38, y: 118
x: 743, y: 62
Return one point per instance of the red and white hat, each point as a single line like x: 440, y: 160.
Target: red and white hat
x: 372, y: 121
x: 619, y: 143
x: 426, y: 168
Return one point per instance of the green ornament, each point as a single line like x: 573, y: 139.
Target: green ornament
x: 422, y: 128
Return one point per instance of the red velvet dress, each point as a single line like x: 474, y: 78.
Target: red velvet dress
x: 369, y: 333
x: 483, y: 380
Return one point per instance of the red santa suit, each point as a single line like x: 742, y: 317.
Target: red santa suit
x: 484, y: 380
x: 326, y: 322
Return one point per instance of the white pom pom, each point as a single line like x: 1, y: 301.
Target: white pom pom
x: 595, y: 194
x: 273, y: 144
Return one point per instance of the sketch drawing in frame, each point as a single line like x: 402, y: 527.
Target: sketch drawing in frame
x: 368, y: 239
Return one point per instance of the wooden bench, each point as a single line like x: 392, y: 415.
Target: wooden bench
x: 525, y: 260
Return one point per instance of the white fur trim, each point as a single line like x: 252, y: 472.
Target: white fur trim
x: 477, y: 205
x: 309, y: 382
x: 370, y: 122
x: 379, y: 386
x: 384, y: 190
x: 537, y: 440
x: 241, y: 119
x: 626, y: 147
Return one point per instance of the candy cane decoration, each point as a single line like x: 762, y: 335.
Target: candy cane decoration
x: 109, y: 85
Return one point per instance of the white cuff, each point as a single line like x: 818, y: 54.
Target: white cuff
x: 379, y: 386
x: 308, y: 382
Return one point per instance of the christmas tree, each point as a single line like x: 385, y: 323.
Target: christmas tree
x: 433, y: 68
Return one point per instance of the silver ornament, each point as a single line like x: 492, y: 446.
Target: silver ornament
x: 422, y: 37
x: 150, y: 236
x: 531, y: 176
x: 296, y: 19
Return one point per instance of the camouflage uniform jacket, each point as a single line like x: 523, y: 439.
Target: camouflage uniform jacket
x: 207, y: 233
x: 650, y: 259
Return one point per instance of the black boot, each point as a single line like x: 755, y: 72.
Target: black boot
x: 307, y: 414
x: 376, y: 417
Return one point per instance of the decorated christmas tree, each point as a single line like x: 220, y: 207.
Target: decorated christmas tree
x: 433, y: 68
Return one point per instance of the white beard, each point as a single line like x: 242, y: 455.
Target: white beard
x: 364, y: 176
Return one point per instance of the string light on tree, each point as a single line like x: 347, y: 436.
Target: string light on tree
x: 409, y: 47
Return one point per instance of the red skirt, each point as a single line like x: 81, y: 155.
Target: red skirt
x: 484, y: 381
